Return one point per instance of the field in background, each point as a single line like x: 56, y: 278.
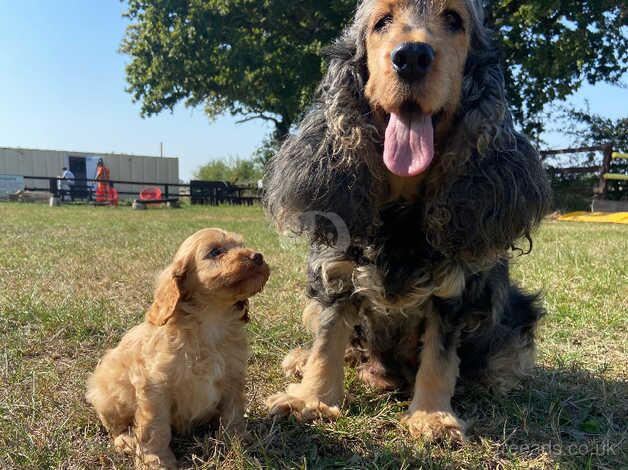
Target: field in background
x: 74, y: 279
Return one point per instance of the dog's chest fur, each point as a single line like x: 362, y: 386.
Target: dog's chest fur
x: 210, y: 361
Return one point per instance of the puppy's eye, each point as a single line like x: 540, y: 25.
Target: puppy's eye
x: 383, y: 23
x: 215, y: 252
x: 453, y: 21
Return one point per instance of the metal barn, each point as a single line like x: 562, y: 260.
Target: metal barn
x: 19, y: 162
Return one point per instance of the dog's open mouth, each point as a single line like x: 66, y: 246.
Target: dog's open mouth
x: 409, y: 141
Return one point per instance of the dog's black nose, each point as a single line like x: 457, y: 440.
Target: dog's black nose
x: 412, y: 60
x: 257, y: 258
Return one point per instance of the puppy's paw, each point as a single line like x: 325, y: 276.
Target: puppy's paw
x: 164, y: 460
x: 435, y: 425
x: 294, y: 362
x: 125, y: 443
x: 155, y: 462
x: 303, y: 409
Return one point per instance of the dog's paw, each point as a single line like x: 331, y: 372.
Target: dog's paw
x: 303, y: 409
x: 294, y: 363
x: 435, y: 425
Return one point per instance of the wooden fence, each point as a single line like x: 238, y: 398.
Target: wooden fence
x: 210, y: 193
x: 577, y: 186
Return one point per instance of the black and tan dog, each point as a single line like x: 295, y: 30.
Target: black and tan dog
x: 411, y: 144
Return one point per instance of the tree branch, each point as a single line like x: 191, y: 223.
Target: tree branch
x: 262, y: 116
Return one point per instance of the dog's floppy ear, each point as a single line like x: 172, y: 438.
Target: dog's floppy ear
x: 501, y: 193
x: 486, y: 117
x: 169, y: 292
x: 322, y: 167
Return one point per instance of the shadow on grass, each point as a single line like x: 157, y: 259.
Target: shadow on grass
x: 564, y: 418
x: 285, y: 444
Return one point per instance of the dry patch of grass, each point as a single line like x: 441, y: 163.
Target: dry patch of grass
x: 73, y: 279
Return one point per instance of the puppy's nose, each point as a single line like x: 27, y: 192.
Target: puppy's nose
x: 412, y: 60
x: 257, y: 258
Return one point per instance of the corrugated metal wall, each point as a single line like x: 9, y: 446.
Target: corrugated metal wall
x: 48, y: 163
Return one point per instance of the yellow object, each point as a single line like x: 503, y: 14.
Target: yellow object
x: 620, y: 155
x: 615, y: 177
x: 596, y: 217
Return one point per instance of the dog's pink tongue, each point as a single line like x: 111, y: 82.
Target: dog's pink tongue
x: 409, y: 144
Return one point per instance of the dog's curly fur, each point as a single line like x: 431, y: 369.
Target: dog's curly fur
x: 186, y: 364
x: 428, y: 256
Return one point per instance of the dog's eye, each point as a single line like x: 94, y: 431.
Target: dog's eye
x: 453, y: 21
x: 215, y: 252
x: 383, y: 23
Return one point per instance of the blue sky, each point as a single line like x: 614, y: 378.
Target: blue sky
x: 62, y: 87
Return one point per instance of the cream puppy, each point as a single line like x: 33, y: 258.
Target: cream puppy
x: 186, y: 363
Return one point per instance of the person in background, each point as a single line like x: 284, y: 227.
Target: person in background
x: 102, y: 182
x: 66, y: 183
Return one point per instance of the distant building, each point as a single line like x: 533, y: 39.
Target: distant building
x: 18, y: 162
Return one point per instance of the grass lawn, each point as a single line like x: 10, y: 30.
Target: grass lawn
x: 74, y: 279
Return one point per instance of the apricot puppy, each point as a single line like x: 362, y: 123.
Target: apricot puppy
x: 186, y: 363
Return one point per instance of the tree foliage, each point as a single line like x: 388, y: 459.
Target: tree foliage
x: 573, y: 190
x: 254, y: 58
x: 592, y: 129
x: 551, y: 47
x: 232, y: 170
x: 262, y: 58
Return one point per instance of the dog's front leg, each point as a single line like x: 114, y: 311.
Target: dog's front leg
x: 152, y: 429
x: 321, y: 391
x: 430, y: 414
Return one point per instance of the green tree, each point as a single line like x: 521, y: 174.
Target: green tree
x: 592, y: 129
x: 551, y: 47
x: 254, y: 58
x: 233, y: 170
x: 574, y: 190
x: 262, y: 58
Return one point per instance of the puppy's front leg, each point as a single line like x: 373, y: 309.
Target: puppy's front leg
x: 430, y: 414
x: 231, y: 409
x: 321, y: 390
x: 152, y: 429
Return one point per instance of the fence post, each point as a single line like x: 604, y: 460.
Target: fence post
x: 602, y: 189
x: 55, y: 199
x: 166, y: 191
x: 54, y: 187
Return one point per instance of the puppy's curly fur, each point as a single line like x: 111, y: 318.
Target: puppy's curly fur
x: 186, y: 364
x: 427, y: 294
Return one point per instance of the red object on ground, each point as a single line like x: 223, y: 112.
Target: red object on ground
x: 113, y: 193
x: 150, y: 194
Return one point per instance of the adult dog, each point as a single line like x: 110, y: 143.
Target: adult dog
x: 411, y: 144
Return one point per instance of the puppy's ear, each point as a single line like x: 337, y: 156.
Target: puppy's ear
x: 169, y: 293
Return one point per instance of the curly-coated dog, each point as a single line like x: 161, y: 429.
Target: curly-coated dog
x: 410, y: 143
x: 186, y: 364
